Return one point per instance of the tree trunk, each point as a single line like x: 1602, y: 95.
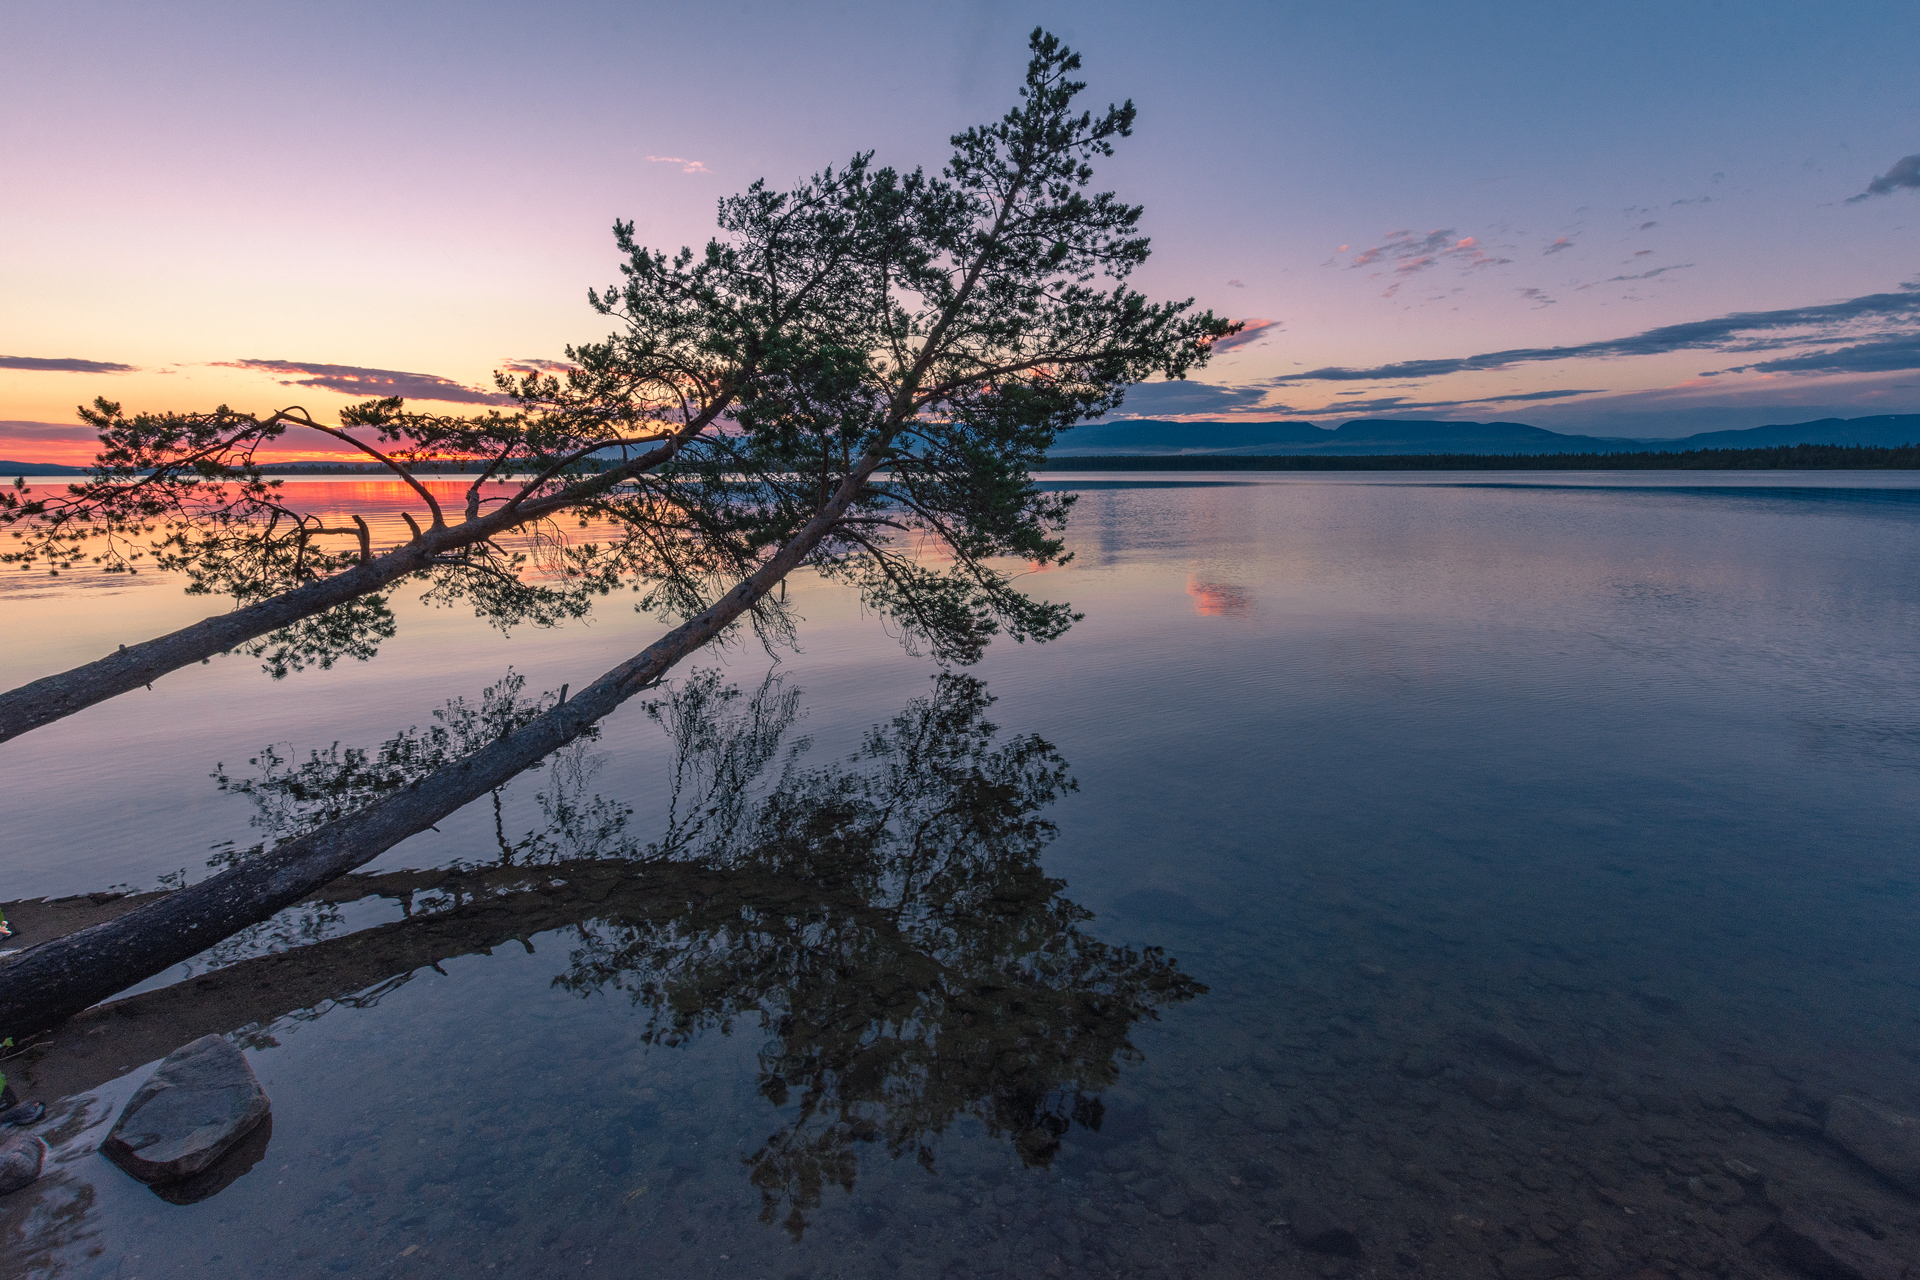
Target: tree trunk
x: 57, y: 979
x: 54, y: 697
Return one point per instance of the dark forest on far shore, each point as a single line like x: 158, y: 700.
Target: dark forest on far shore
x: 1792, y: 457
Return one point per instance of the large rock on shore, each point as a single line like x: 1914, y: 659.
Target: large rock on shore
x: 196, y: 1105
x: 1880, y: 1138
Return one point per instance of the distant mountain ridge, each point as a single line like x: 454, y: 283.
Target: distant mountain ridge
x: 1390, y: 436
x: 1371, y: 436
x: 9, y: 468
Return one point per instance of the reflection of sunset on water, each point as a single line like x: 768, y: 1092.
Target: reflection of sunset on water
x: 1219, y: 599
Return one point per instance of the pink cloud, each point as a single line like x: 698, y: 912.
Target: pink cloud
x: 1250, y: 329
x: 1413, y: 253
x: 686, y: 165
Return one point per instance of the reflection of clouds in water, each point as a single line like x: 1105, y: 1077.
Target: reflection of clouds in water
x: 1219, y: 599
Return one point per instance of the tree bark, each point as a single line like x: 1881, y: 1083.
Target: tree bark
x: 57, y: 979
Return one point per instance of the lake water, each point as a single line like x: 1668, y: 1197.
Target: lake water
x: 1520, y: 850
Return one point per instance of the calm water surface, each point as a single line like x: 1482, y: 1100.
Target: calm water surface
x: 1488, y: 859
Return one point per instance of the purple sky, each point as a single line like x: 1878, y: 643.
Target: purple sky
x: 1637, y: 219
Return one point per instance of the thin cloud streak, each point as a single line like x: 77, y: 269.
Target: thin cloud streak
x: 686, y: 165
x: 538, y: 366
x: 1159, y: 399
x: 1695, y: 335
x: 63, y: 365
x: 1885, y: 356
x: 1904, y: 173
x: 1252, y: 329
x: 1645, y: 275
x: 355, y: 380
x: 1398, y: 404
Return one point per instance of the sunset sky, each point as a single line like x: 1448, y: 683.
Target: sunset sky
x: 1626, y: 219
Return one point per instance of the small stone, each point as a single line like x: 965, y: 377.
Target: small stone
x: 1511, y: 1042
x: 1880, y: 1138
x: 1318, y: 1228
x: 199, y: 1102
x: 22, y: 1114
x: 1174, y: 1204
x: 1273, y: 1118
x: 1532, y: 1264
x: 1420, y: 1179
x: 1421, y: 1064
x: 1205, y: 1211
x: 1741, y: 1171
x: 1259, y: 1175
x: 1325, y: 1110
x: 1572, y: 1110
x: 1502, y: 1093
x: 1714, y: 1189
x: 1747, y: 1223
x: 1829, y: 1250
x: 20, y: 1159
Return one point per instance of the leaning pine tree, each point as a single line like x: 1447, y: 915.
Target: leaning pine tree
x: 934, y: 335
x: 599, y: 445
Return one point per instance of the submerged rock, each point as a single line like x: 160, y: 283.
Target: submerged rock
x: 1572, y: 1110
x: 1318, y: 1228
x: 1323, y: 1109
x: 1533, y: 1264
x: 199, y: 1102
x: 1259, y: 1175
x: 21, y: 1114
x: 1502, y: 1093
x: 1880, y: 1138
x: 1716, y: 1190
x: 21, y: 1156
x: 1421, y: 1064
x: 1511, y: 1042
x: 1829, y: 1250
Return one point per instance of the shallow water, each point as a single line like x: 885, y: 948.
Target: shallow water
x: 1541, y: 842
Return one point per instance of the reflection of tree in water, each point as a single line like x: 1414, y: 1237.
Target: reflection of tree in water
x: 895, y: 936
x: 42, y: 1227
x: 885, y: 919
